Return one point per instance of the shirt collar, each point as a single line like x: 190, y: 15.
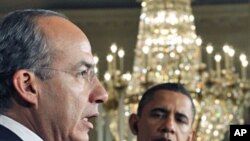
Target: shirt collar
x: 23, y: 132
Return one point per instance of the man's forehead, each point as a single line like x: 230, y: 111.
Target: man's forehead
x: 63, y: 34
x: 171, y: 99
x: 66, y: 41
x: 57, y: 29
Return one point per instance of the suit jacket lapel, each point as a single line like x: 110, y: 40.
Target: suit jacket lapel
x: 7, y: 135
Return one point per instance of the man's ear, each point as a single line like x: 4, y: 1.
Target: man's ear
x: 25, y: 84
x: 133, y: 120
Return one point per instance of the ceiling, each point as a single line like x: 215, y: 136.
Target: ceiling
x: 209, y: 2
x: 7, y: 5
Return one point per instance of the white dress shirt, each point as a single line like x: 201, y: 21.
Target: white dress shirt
x: 23, y: 132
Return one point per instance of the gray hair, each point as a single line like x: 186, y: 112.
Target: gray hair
x: 22, y: 46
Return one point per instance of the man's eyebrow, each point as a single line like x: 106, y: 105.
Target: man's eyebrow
x: 163, y: 110
x: 159, y: 109
x: 85, y: 63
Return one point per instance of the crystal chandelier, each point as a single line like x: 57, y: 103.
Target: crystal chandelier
x: 168, y: 50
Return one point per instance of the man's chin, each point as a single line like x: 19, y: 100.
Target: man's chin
x: 80, y: 137
x: 81, y: 133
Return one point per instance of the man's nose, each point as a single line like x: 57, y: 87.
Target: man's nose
x: 168, y: 125
x: 98, y: 94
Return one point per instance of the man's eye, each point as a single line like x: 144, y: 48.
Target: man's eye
x: 83, y: 73
x: 158, y: 115
x: 182, y: 120
x: 87, y: 73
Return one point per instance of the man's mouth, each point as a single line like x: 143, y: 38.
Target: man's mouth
x: 87, y: 123
x: 87, y: 120
x: 163, y: 139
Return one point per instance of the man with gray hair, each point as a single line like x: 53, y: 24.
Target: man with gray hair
x: 48, y: 87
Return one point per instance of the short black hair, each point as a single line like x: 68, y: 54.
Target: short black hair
x: 148, y: 95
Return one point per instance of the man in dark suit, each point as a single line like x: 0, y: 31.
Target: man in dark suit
x: 48, y: 87
x: 8, y: 135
